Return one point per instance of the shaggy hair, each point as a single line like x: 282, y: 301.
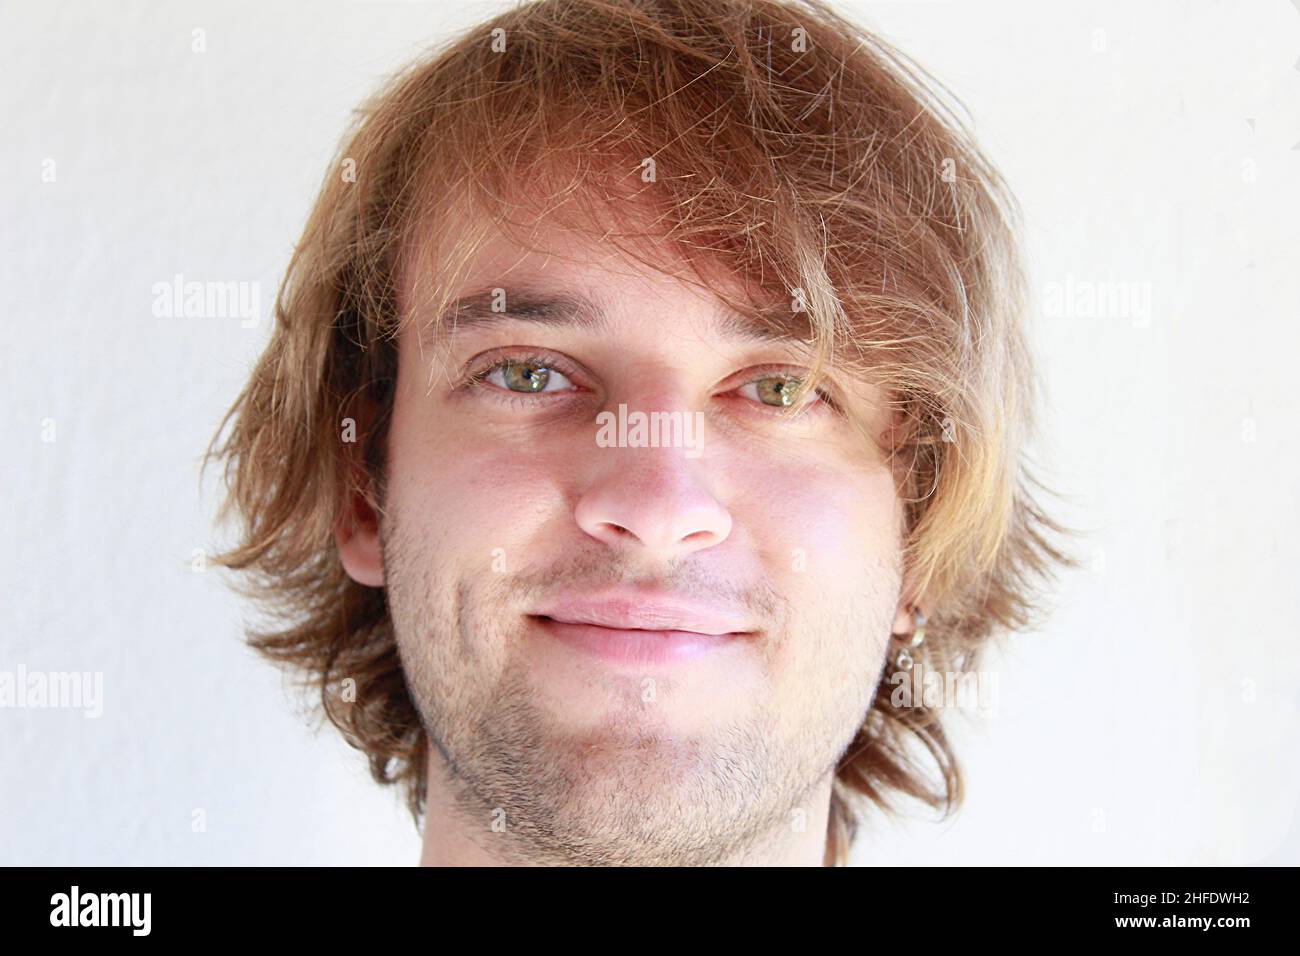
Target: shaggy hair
x: 770, y: 140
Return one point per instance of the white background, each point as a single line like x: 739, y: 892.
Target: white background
x: 1154, y: 720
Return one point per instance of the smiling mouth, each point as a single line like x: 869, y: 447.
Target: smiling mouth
x: 634, y: 630
x: 634, y: 645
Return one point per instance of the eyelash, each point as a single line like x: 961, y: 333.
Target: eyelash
x: 478, y: 380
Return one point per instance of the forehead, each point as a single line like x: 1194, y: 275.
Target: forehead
x: 555, y: 275
x: 575, y: 308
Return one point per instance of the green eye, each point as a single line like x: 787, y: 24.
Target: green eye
x: 529, y: 377
x: 776, y: 390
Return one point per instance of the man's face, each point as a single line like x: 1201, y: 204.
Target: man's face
x: 630, y: 654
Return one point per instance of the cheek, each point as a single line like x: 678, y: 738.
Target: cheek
x: 474, y: 490
x: 831, y: 546
x: 830, y: 525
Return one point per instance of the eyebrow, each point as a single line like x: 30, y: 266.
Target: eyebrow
x: 576, y: 311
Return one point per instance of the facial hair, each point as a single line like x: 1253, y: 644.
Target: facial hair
x: 635, y: 790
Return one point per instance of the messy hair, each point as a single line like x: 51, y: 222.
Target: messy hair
x: 770, y: 140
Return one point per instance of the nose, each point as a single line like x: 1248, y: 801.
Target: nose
x: 652, y: 500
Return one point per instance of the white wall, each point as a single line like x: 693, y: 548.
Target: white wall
x: 1154, y: 720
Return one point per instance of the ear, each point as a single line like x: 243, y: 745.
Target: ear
x: 904, y: 622
x: 356, y: 529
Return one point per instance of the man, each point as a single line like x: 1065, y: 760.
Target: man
x: 647, y: 391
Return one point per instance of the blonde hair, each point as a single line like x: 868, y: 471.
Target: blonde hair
x: 788, y: 146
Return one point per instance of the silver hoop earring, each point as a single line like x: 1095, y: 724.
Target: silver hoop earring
x: 904, y: 660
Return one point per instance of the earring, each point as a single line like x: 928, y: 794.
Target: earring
x: 903, y: 661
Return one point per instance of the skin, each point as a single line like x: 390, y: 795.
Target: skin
x: 496, y: 500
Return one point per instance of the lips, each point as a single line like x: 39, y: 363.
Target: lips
x: 640, y: 627
x: 644, y: 611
